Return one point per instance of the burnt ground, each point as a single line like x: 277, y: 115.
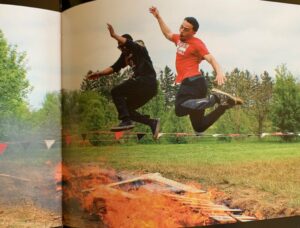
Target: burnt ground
x: 34, y: 201
x: 251, y: 201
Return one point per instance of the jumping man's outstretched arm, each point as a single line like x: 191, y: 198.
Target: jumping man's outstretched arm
x: 164, y: 28
x: 108, y: 70
x: 120, y: 39
x: 220, y: 77
x: 97, y: 74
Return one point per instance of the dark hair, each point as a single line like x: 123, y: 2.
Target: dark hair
x: 193, y: 21
x: 127, y: 36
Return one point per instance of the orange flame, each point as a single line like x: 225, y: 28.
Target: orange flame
x: 58, y: 176
x: 137, y: 207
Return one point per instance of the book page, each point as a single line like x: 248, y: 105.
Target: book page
x: 180, y: 114
x: 30, y: 117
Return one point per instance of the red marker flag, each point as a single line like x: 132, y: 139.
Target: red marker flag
x: 119, y: 134
x: 68, y: 140
x: 3, y: 147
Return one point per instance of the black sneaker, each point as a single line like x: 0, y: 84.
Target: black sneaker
x: 155, y: 125
x: 123, y: 126
x: 226, y: 99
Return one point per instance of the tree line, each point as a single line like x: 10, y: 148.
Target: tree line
x: 271, y: 103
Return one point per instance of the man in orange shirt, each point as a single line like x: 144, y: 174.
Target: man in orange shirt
x: 191, y: 99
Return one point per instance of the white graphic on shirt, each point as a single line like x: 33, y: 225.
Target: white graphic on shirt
x: 182, y: 47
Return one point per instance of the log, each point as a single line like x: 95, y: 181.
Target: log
x: 113, y: 190
x: 244, y: 218
x: 176, y: 184
x: 215, y: 208
x: 188, y: 199
x: 223, y: 218
x: 158, y: 178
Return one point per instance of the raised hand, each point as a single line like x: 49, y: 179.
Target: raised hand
x: 111, y: 30
x: 93, y: 75
x: 153, y: 10
x: 220, y: 79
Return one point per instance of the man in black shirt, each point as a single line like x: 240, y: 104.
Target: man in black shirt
x: 136, y: 91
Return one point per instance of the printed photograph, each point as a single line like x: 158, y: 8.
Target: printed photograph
x: 180, y: 114
x: 149, y: 114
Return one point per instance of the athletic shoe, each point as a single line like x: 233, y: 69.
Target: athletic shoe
x: 123, y: 126
x: 197, y: 133
x: 226, y: 99
x: 155, y: 125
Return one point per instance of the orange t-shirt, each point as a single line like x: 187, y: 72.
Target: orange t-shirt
x: 188, y: 57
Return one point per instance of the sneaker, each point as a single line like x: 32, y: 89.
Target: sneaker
x: 198, y: 133
x: 155, y: 125
x: 124, y: 125
x: 226, y: 99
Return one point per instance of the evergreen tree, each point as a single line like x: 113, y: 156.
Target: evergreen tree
x: 168, y: 87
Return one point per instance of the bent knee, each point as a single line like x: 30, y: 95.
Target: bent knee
x: 179, y: 111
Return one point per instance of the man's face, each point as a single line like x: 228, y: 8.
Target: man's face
x: 122, y: 48
x: 186, y: 31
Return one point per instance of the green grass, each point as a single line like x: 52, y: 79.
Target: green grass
x: 271, y: 167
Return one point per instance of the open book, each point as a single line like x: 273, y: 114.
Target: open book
x: 72, y: 155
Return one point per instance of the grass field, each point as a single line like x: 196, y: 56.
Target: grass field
x: 262, y: 177
x: 262, y: 171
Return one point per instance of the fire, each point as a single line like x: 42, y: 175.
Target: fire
x: 145, y: 209
x: 58, y: 176
x: 129, y: 205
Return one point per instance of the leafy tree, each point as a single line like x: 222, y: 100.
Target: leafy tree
x: 176, y: 124
x: 14, y: 87
x: 235, y: 120
x: 49, y: 116
x: 286, y: 101
x: 261, y: 100
x: 70, y: 109
x: 155, y: 108
x: 79, y: 107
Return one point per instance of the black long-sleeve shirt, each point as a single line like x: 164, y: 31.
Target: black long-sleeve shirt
x: 138, y: 58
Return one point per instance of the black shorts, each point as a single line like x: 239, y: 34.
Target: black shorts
x: 191, y: 88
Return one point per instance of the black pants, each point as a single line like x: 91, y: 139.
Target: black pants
x: 133, y: 94
x: 193, y: 89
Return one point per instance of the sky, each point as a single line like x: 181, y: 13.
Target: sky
x: 248, y: 34
x: 36, y: 32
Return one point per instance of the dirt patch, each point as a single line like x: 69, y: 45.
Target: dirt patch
x: 27, y: 215
x: 28, y: 196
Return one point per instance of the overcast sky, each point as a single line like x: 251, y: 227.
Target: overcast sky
x: 248, y: 34
x: 36, y: 32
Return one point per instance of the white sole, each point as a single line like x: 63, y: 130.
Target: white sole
x: 156, y: 133
x: 116, y: 129
x: 237, y: 100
